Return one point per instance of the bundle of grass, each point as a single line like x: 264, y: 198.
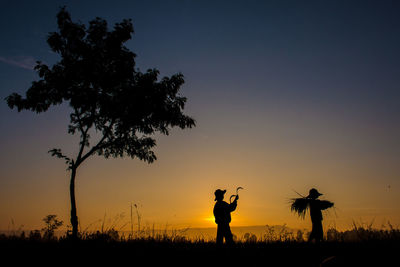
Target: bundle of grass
x: 300, y: 206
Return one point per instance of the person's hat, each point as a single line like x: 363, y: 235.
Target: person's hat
x: 314, y: 193
x: 219, y: 193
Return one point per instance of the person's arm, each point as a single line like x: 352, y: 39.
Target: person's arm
x: 233, y: 205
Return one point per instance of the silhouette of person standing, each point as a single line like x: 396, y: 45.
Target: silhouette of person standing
x: 316, y: 206
x: 222, y: 213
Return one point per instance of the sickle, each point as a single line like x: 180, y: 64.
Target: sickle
x: 237, y: 189
x: 237, y: 193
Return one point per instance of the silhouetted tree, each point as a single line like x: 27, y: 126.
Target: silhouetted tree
x: 97, y: 77
x: 52, y: 224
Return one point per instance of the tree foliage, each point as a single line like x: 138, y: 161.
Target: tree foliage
x: 97, y: 77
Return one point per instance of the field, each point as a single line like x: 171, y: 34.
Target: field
x: 358, y: 247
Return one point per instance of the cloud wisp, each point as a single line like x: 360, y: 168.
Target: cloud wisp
x: 24, y: 62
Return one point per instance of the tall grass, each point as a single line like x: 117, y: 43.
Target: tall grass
x: 114, y: 229
x: 363, y: 245
x: 282, y: 234
x: 363, y: 233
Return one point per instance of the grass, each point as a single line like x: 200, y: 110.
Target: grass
x: 360, y: 246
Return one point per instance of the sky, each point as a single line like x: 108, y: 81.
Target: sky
x: 287, y: 96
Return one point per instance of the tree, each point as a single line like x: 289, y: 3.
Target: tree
x: 97, y: 77
x: 52, y: 224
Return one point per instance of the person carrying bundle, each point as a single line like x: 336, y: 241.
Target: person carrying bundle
x: 300, y: 206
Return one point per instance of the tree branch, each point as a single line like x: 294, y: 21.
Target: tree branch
x: 56, y: 152
x: 79, y: 120
x: 84, y: 136
x: 95, y: 147
x: 91, y: 151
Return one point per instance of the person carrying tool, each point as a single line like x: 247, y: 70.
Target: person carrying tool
x: 222, y: 213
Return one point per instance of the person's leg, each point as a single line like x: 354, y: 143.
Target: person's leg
x: 228, y: 235
x: 220, y: 235
x: 312, y: 234
x: 319, y: 235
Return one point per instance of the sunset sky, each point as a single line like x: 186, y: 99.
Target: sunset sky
x: 287, y: 95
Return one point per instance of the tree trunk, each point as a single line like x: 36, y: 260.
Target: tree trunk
x: 74, y: 218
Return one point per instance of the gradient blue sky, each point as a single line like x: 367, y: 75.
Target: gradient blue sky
x: 287, y: 95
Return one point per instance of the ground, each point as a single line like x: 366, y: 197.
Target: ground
x: 147, y: 252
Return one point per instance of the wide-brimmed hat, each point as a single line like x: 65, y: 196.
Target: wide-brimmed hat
x: 219, y: 193
x: 314, y: 193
